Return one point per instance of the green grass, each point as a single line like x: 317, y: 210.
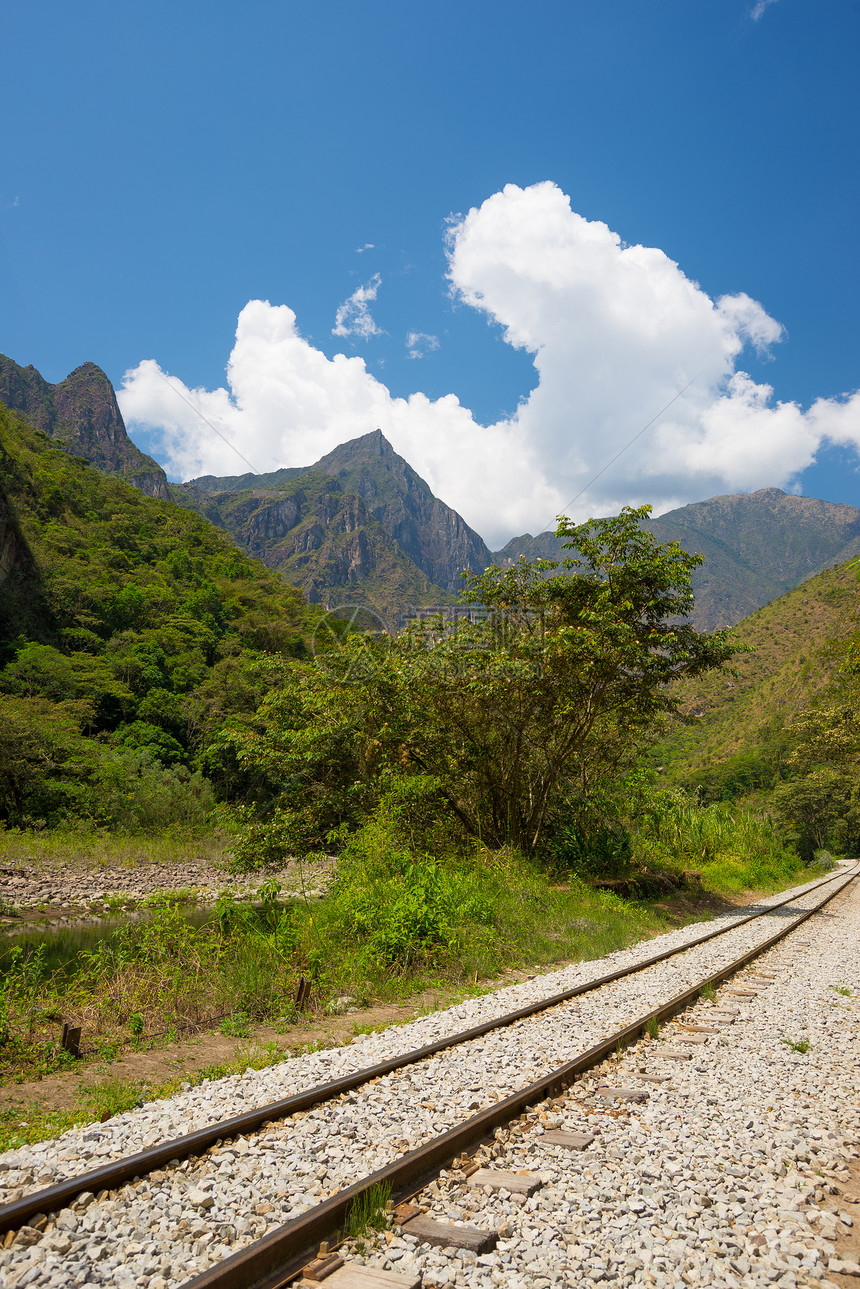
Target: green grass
x: 238, y: 1025
x: 395, y: 923
x: 87, y: 847
x: 732, y: 848
x: 367, y: 1212
x: 803, y: 1047
x: 23, y: 1125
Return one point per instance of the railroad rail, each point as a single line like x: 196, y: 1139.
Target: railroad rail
x: 276, y: 1258
x: 280, y: 1257
x: 110, y: 1176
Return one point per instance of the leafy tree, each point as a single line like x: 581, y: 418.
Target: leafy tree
x: 44, y: 760
x: 509, y: 713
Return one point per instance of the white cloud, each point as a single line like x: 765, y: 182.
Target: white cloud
x: 419, y: 343
x: 615, y: 332
x: 368, y: 246
x: 353, y: 316
x: 759, y: 8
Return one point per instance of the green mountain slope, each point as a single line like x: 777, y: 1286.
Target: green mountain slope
x: 82, y: 413
x: 792, y: 660
x: 126, y: 623
x: 756, y: 546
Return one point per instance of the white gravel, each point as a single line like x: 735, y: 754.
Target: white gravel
x: 173, y: 1224
x: 717, y: 1179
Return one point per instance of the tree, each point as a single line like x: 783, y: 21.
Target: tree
x: 552, y: 682
x: 822, y: 804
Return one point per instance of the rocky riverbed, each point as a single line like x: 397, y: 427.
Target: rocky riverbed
x: 61, y: 894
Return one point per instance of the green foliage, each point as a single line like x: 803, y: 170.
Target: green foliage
x: 396, y: 921
x: 735, y: 778
x: 635, y: 829
x: 129, y: 633
x: 732, y: 847
x: 820, y: 804
x: 367, y: 1212
x: 796, y: 646
x: 500, y: 719
x: 818, y: 809
x: 237, y: 1025
x: 802, y: 1047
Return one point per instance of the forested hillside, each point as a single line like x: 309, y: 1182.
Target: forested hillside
x: 793, y: 656
x: 127, y: 629
x: 784, y: 729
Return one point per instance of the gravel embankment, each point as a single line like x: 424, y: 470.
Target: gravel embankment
x: 722, y: 1177
x: 172, y: 1224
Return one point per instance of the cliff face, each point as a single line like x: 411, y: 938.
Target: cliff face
x: 757, y: 546
x: 23, y: 609
x: 82, y: 413
x: 430, y: 533
x: 359, y: 521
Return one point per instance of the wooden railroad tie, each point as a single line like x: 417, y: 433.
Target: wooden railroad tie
x: 446, y: 1235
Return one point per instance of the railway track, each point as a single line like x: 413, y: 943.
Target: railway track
x: 282, y: 1252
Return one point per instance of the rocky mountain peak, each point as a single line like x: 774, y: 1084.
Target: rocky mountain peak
x: 82, y: 413
x: 409, y: 542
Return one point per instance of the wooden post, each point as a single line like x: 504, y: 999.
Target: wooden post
x: 71, y: 1039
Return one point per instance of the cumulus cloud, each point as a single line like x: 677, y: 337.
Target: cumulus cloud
x: 419, y: 343
x: 353, y: 316
x: 615, y: 332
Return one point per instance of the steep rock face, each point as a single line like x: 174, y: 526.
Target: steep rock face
x: 756, y: 546
x: 359, y: 523
x: 430, y: 533
x: 426, y: 531
x: 82, y: 412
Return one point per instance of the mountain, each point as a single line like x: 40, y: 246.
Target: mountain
x: 360, y: 525
x: 756, y: 546
x: 130, y: 629
x: 792, y: 659
x: 81, y: 413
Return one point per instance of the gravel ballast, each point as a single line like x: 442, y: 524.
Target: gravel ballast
x: 162, y: 1230
x: 728, y: 1174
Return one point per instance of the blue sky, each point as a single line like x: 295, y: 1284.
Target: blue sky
x: 167, y: 164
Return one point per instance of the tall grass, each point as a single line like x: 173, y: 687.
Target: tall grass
x: 395, y: 923
x: 733, y: 848
x: 397, y: 915
x: 99, y: 848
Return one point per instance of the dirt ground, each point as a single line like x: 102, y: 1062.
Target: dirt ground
x: 848, y: 1240
x: 189, y: 1056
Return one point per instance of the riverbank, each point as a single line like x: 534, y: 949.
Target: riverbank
x: 62, y: 891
